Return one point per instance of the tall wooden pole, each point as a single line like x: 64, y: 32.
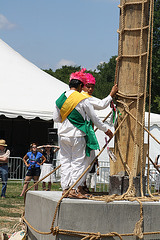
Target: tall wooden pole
x: 131, y: 77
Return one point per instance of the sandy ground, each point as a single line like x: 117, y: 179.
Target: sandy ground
x: 9, y: 225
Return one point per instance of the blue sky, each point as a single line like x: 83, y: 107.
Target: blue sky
x: 52, y: 33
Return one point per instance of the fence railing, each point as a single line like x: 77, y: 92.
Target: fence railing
x: 17, y: 171
x: 16, y: 168
x: 102, y: 180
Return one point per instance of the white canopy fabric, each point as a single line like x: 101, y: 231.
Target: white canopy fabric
x: 26, y: 90
x: 154, y: 148
x: 154, y: 118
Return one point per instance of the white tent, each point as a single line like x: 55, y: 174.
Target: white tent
x: 26, y: 90
x: 154, y: 149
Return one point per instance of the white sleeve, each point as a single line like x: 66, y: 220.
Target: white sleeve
x: 7, y: 154
x: 92, y: 115
x: 56, y: 114
x: 99, y: 104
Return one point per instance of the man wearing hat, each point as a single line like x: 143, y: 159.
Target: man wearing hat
x: 77, y: 137
x: 4, y: 155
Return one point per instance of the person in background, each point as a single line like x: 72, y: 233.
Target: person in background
x: 157, y: 164
x: 49, y: 152
x: 98, y: 104
x: 77, y: 138
x: 90, y: 180
x: 33, y: 162
x: 4, y: 156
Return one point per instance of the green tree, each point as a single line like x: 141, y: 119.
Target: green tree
x: 63, y: 73
x: 104, y: 75
x: 156, y: 60
x: 105, y: 78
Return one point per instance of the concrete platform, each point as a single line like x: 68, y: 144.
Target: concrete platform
x: 88, y: 215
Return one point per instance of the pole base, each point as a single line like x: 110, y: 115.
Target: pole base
x: 119, y: 184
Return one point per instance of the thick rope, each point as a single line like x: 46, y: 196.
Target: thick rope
x: 132, y: 3
x: 143, y: 117
x: 104, y: 119
x: 143, y: 127
x: 144, y: 102
x: 138, y: 100
x: 134, y: 29
x: 40, y: 181
x: 128, y: 96
x: 150, y: 81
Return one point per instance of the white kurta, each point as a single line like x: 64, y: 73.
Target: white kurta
x: 73, y: 144
x: 98, y: 104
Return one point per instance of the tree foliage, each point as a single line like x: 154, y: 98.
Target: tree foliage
x: 63, y: 73
x: 156, y: 60
x: 104, y: 75
x: 105, y: 78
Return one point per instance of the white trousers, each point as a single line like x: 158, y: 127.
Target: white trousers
x: 45, y: 169
x: 73, y: 161
x: 90, y: 177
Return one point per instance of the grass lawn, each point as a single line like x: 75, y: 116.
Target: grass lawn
x: 12, y: 207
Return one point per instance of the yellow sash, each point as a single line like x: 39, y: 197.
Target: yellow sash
x: 86, y: 94
x: 70, y: 103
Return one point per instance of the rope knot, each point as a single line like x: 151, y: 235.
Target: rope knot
x: 98, y: 235
x: 55, y: 231
x: 138, y: 229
